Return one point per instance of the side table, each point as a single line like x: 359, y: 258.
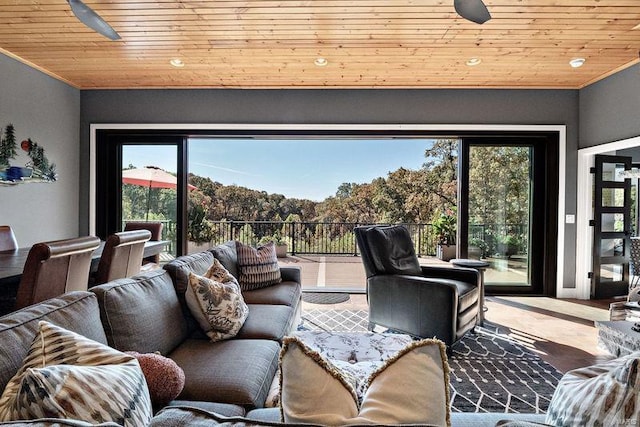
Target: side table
x: 481, y: 266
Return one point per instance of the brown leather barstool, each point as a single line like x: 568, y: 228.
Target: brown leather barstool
x: 122, y: 255
x: 156, y: 234
x: 8, y: 240
x: 54, y: 268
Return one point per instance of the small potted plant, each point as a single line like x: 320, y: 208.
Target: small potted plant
x: 445, y: 229
x: 477, y: 248
x: 508, y: 246
x: 200, y: 231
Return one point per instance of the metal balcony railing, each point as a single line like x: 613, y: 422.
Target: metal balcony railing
x: 331, y: 238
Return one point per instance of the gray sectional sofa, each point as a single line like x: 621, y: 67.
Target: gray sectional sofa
x: 148, y: 313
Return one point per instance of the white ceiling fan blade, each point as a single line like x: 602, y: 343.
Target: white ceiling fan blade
x: 472, y: 10
x: 88, y: 17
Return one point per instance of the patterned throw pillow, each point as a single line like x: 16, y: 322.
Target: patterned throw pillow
x: 257, y: 267
x: 314, y: 391
x: 66, y: 375
x: 605, y: 394
x: 218, y: 307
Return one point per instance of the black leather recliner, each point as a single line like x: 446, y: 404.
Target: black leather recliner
x: 424, y: 302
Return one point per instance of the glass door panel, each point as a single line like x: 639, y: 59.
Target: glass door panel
x: 149, y: 188
x: 611, y: 226
x: 500, y: 211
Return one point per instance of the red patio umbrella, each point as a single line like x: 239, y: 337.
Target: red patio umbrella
x: 151, y: 177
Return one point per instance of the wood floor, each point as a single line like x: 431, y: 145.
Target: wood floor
x: 561, y: 332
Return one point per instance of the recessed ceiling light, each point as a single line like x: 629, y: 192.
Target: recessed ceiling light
x: 577, y: 62
x: 473, y: 62
x: 321, y: 62
x: 177, y: 62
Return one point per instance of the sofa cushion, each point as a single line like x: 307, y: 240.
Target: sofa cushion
x: 235, y: 371
x: 180, y: 268
x: 67, y: 375
x: 268, y: 322
x: 218, y: 307
x: 142, y: 313
x: 257, y: 267
x: 313, y: 390
x: 186, y: 415
x: 75, y: 311
x: 270, y: 416
x: 224, y: 409
x: 226, y: 254
x: 284, y: 293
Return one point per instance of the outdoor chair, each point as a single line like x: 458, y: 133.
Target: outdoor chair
x: 8, y: 240
x: 421, y: 301
x: 155, y: 228
x: 122, y: 256
x: 54, y: 268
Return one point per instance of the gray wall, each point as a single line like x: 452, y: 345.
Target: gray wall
x: 633, y: 152
x: 47, y: 111
x: 610, y: 109
x: 557, y: 107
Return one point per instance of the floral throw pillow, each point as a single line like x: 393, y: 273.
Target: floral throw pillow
x: 217, y: 306
x: 257, y: 267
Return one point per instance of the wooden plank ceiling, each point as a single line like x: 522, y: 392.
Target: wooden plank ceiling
x: 367, y: 43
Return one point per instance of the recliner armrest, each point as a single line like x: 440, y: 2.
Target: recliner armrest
x: 290, y: 274
x: 468, y: 275
x: 401, y: 281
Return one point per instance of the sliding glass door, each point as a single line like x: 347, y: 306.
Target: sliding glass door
x: 506, y: 198
x: 141, y: 179
x: 508, y: 210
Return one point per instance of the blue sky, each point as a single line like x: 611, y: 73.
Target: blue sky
x: 306, y: 169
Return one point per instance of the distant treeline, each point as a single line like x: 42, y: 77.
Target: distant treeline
x: 402, y: 196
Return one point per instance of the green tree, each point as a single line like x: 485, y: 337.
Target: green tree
x: 441, y: 177
x: 7, y: 146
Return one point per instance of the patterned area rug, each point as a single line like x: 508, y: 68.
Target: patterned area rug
x: 490, y: 372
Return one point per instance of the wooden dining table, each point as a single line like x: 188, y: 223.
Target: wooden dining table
x: 12, y: 262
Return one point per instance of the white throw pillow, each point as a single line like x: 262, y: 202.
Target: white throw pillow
x: 218, y: 307
x: 411, y: 387
x: 66, y: 375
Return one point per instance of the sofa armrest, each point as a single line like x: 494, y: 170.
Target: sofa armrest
x: 290, y: 274
x: 468, y: 275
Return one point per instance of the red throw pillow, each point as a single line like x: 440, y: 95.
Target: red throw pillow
x: 165, y: 378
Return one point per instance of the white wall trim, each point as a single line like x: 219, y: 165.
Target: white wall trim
x: 584, y: 233
x: 562, y: 156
